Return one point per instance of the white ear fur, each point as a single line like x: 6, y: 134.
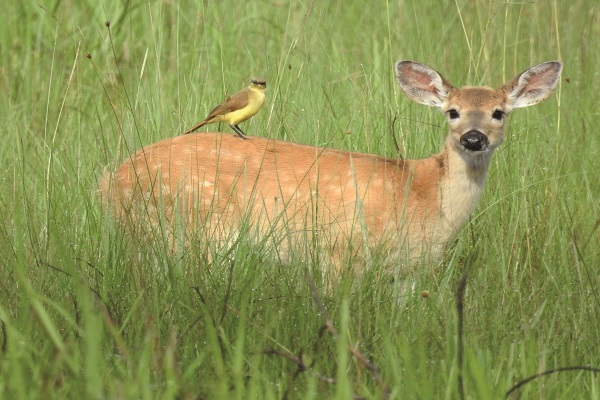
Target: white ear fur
x: 422, y: 83
x: 533, y: 85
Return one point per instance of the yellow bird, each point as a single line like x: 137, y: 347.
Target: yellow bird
x: 238, y: 108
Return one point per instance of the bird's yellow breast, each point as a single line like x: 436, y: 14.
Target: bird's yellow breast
x: 256, y: 99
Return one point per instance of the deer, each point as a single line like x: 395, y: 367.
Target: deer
x: 214, y: 186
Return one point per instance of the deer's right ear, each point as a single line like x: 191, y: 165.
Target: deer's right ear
x: 534, y: 85
x: 422, y: 83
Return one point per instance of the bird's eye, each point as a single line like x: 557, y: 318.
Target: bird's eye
x: 498, y: 115
x: 453, y: 114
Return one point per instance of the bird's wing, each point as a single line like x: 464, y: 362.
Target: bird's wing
x: 235, y: 102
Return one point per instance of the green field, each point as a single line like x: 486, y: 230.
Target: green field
x: 88, y: 312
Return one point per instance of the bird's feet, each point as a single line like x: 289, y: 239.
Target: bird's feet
x: 238, y: 132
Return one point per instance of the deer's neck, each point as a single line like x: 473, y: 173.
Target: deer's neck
x: 461, y: 185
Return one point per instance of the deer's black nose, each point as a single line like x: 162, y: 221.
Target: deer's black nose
x: 474, y: 141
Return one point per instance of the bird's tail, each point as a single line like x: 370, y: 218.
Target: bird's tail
x: 196, y: 127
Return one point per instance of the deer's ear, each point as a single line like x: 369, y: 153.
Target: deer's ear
x: 533, y: 85
x: 422, y: 83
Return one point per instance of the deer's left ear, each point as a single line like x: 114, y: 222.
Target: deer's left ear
x: 533, y: 85
x: 421, y: 83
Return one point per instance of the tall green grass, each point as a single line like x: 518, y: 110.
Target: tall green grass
x: 88, y: 312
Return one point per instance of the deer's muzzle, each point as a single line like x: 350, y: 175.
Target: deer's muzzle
x: 474, y: 141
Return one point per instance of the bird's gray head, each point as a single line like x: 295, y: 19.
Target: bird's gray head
x: 261, y: 83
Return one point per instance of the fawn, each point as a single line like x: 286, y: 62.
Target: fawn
x: 218, y: 185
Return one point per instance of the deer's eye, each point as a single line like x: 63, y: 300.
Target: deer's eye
x: 453, y: 114
x: 498, y: 115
